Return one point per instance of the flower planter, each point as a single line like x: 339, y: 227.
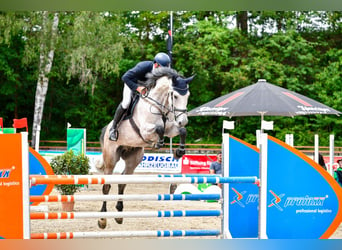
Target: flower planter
x: 68, y: 206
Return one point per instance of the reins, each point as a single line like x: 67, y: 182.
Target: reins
x: 161, y: 107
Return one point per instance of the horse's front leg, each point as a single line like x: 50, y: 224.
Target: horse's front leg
x: 119, y: 205
x: 160, y: 131
x: 102, y: 222
x: 180, y: 151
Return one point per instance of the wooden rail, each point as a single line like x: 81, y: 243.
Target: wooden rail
x: 190, y: 147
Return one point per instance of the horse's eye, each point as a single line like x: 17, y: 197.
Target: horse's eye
x: 176, y: 97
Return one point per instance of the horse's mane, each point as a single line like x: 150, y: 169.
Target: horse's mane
x: 158, y: 73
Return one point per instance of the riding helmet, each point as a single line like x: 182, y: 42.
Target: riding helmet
x: 162, y: 59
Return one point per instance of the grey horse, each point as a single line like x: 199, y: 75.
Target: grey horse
x: 161, y: 112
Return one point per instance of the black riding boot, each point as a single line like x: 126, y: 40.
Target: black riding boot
x: 113, y: 132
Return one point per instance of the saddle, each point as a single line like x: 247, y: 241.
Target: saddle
x: 129, y: 112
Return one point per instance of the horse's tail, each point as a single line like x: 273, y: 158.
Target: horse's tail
x: 99, y: 163
x: 103, y: 131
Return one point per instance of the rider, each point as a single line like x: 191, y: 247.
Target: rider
x: 131, y: 78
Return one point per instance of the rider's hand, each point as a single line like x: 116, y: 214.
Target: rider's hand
x: 141, y: 90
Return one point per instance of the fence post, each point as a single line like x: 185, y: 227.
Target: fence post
x: 331, y: 154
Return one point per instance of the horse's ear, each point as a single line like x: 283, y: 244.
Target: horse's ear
x: 189, y: 79
x: 179, y: 81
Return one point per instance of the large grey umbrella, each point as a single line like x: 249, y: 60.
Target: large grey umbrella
x: 262, y: 99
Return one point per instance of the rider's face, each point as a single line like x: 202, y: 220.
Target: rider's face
x: 156, y: 65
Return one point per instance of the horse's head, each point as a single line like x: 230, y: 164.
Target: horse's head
x: 173, y: 93
x: 179, y: 99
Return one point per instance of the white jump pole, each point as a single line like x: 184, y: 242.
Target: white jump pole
x: 263, y: 186
x: 225, y: 188
x: 289, y: 139
x: 331, y: 154
x: 257, y: 134
x: 25, y: 185
x: 263, y: 155
x: 316, y: 151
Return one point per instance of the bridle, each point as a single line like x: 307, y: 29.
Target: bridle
x: 174, y: 110
x: 162, y: 108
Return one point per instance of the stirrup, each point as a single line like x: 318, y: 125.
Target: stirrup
x: 114, y: 135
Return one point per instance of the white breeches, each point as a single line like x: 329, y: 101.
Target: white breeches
x: 127, y: 96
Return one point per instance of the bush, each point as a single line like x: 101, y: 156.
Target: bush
x: 70, y: 164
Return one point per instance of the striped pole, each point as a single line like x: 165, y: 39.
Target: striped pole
x: 147, y: 197
x: 128, y: 214
x: 115, y: 234
x: 135, y: 179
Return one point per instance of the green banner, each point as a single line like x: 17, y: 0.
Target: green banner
x: 76, y: 140
x: 8, y: 131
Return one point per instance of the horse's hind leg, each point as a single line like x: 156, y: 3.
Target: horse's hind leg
x: 102, y: 222
x: 110, y: 161
x: 119, y: 204
x: 132, y: 158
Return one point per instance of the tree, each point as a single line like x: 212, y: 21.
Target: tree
x: 242, y: 21
x: 16, y: 95
x: 47, y: 50
x: 94, y: 46
x: 90, y: 47
x: 297, y: 50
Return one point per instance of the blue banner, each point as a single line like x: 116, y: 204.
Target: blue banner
x: 39, y: 166
x: 244, y: 198
x: 303, y: 200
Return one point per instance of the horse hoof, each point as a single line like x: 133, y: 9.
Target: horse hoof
x: 179, y: 153
x: 173, y: 188
x: 102, y: 223
x: 119, y: 220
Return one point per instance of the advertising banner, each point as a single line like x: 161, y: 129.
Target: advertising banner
x: 334, y: 165
x: 13, y: 190
x: 151, y: 163
x: 197, y: 164
x: 159, y: 163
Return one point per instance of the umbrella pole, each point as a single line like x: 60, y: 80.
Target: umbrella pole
x: 262, y: 119
x: 261, y: 131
